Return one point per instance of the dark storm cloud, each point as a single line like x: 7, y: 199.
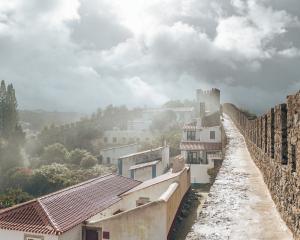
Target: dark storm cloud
x: 80, y: 55
x: 97, y: 28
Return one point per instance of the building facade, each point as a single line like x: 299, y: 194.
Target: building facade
x: 123, y: 137
x: 111, y: 155
x: 201, y: 142
x: 146, y: 164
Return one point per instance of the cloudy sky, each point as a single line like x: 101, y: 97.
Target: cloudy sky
x: 78, y: 55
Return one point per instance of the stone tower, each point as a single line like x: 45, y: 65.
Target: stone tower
x: 211, y: 99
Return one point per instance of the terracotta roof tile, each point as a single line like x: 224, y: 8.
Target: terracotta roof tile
x: 60, y: 211
x: 198, y: 146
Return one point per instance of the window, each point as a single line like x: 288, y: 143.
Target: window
x: 114, y: 139
x: 191, y: 135
x: 90, y: 233
x: 108, y: 160
x: 32, y: 237
x: 196, y: 158
x: 212, y: 135
x: 105, y: 139
x: 192, y: 158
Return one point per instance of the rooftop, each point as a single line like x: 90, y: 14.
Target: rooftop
x: 143, y: 165
x: 123, y: 146
x: 142, y: 152
x: 198, y: 146
x: 156, y: 180
x: 60, y: 211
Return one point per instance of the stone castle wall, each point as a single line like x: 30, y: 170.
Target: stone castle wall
x: 273, y: 140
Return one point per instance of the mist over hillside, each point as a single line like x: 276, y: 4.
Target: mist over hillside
x: 35, y: 120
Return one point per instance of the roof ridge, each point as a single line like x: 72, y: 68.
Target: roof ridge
x: 74, y: 186
x: 46, y: 215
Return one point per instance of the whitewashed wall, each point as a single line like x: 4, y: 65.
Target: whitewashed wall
x: 18, y: 235
x: 199, y: 171
x: 73, y: 234
x: 127, y: 136
x: 115, y: 153
x: 204, y: 134
x: 145, y: 173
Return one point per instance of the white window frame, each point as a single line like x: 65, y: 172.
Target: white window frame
x: 33, y: 237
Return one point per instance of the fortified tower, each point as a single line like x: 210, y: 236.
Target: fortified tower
x: 211, y: 99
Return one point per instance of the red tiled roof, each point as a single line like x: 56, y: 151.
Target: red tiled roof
x: 28, y: 217
x: 60, y: 211
x: 191, y: 145
x: 190, y: 126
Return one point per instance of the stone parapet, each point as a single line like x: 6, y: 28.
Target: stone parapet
x: 273, y: 141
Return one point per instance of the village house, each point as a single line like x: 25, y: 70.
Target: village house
x: 120, y: 137
x: 107, y: 207
x: 201, y: 142
x: 111, y: 155
x: 146, y: 164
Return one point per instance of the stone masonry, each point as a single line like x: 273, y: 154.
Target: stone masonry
x: 273, y: 141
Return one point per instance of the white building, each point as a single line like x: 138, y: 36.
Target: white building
x: 119, y: 137
x: 111, y: 155
x: 201, y: 142
x: 108, y: 207
x: 146, y: 164
x: 139, y: 125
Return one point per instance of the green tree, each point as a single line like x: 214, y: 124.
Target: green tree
x: 77, y: 155
x: 50, y: 178
x: 55, y: 153
x: 11, y: 133
x: 3, y: 107
x: 13, y: 196
x: 88, y: 161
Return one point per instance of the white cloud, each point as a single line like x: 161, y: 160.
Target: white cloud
x: 290, y: 52
x: 161, y: 49
x: 144, y: 92
x: 250, y: 35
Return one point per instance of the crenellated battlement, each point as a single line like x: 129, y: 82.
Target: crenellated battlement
x: 273, y: 140
x: 211, y: 98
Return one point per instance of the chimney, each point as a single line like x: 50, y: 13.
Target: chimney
x: 202, y: 109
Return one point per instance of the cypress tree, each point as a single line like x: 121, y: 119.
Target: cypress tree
x: 11, y: 115
x: 11, y: 133
x: 2, y: 106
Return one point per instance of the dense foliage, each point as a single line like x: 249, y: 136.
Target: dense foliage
x: 11, y: 134
x: 46, y: 179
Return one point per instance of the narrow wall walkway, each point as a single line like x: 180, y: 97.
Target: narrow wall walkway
x: 239, y: 206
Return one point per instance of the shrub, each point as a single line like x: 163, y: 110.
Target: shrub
x: 77, y: 155
x: 55, y: 153
x: 88, y: 161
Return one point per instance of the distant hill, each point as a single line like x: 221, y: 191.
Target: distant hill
x: 35, y: 120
